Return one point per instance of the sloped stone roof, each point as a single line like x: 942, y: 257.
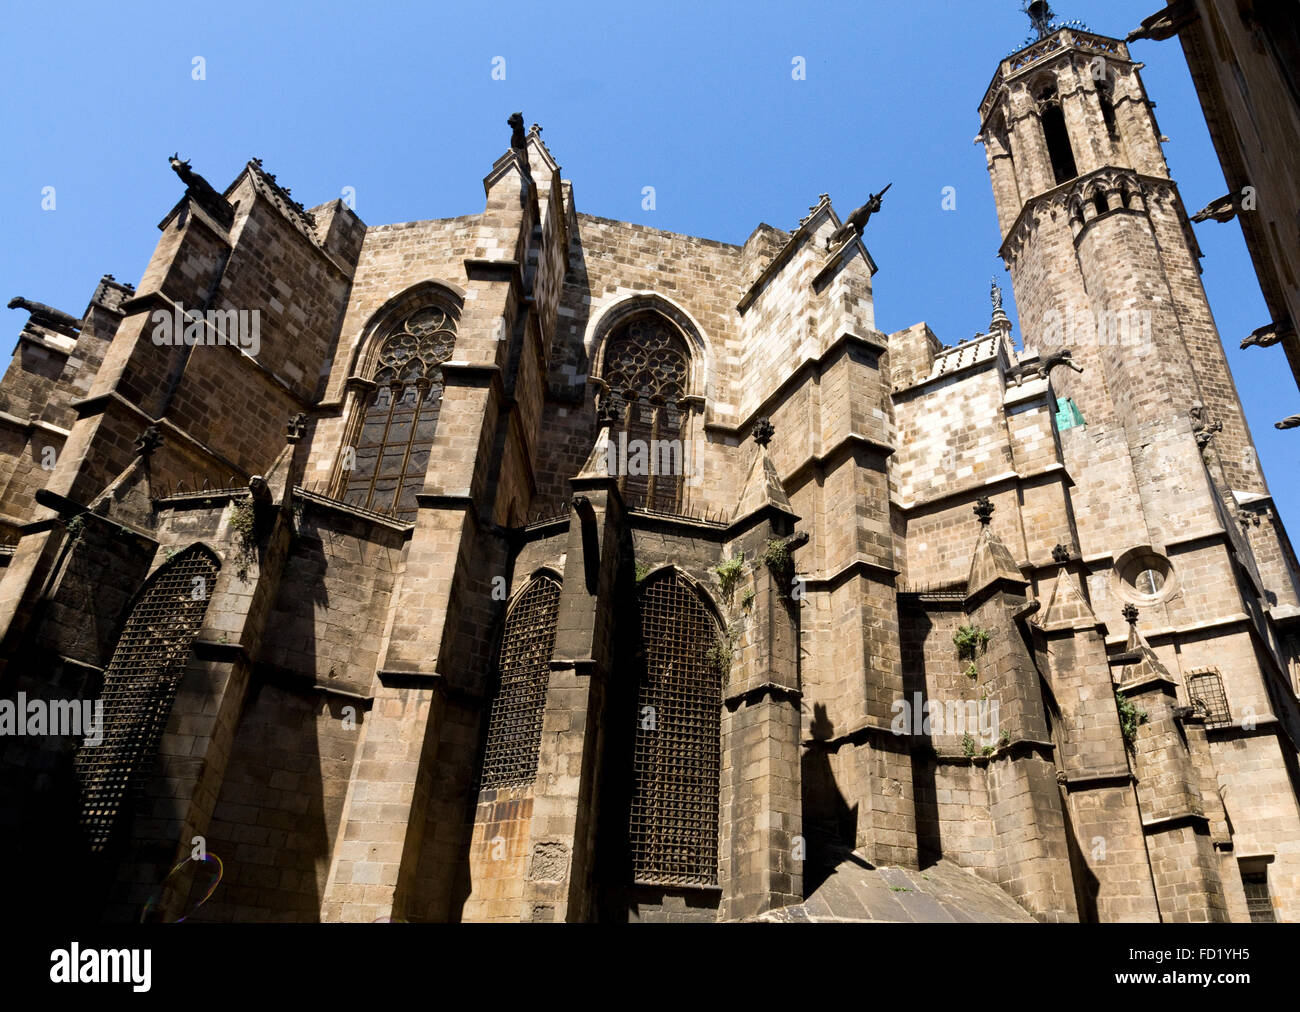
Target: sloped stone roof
x: 981, y: 348
x: 942, y: 893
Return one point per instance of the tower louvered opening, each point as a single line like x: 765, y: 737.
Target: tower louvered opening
x: 677, y: 752
x: 140, y: 686
x: 515, y: 726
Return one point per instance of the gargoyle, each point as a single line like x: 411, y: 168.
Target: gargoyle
x: 857, y: 221
x: 1268, y: 335
x: 1043, y: 367
x: 47, y: 316
x: 1165, y: 23
x: 518, y: 141
x: 1221, y: 210
x: 201, y: 192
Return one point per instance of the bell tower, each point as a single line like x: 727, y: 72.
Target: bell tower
x: 1104, y: 264
x: 1170, y: 515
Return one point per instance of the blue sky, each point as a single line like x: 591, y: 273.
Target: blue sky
x: 694, y: 99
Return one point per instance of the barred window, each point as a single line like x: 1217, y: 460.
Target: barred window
x: 392, y: 451
x: 140, y: 686
x: 1259, y: 904
x: 1205, y: 692
x: 515, y: 726
x: 677, y: 750
x: 646, y: 368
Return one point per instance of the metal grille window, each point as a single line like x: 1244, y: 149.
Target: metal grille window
x: 1258, y: 901
x: 392, y: 452
x: 646, y: 369
x: 140, y: 686
x: 515, y: 727
x: 1205, y: 690
x: 677, y: 751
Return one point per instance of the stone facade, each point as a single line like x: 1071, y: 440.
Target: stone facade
x: 604, y: 573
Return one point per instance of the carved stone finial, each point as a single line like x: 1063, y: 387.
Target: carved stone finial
x: 763, y: 432
x: 1130, y: 614
x: 1060, y: 554
x: 297, y: 428
x: 148, y: 441
x: 1040, y: 16
x: 984, y: 510
x: 996, y: 294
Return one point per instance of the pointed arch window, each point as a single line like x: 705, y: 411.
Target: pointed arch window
x: 1106, y: 96
x: 515, y: 724
x: 397, y: 429
x: 1057, y: 136
x: 677, y: 752
x: 647, y: 369
x: 140, y: 686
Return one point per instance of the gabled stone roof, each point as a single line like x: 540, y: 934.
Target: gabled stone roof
x: 279, y: 197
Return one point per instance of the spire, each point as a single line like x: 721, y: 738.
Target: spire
x: 1041, y: 16
x: 129, y: 497
x: 275, y: 486
x: 762, y: 488
x: 1000, y: 323
x: 991, y: 561
x: 603, y: 452
x: 1043, y: 20
x: 1144, y: 663
x: 1067, y: 607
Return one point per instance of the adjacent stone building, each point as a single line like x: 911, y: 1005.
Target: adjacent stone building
x: 605, y: 573
x: 1245, y: 62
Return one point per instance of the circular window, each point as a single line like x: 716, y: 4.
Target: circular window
x: 1143, y: 575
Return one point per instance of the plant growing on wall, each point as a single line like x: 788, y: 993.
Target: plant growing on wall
x: 967, y: 745
x: 75, y: 526
x: 719, y: 655
x: 970, y: 642
x: 776, y: 556
x: 1130, y: 718
x: 243, y: 519
x: 729, y: 572
x: 642, y: 571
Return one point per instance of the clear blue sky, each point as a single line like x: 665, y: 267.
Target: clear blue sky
x: 695, y: 99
